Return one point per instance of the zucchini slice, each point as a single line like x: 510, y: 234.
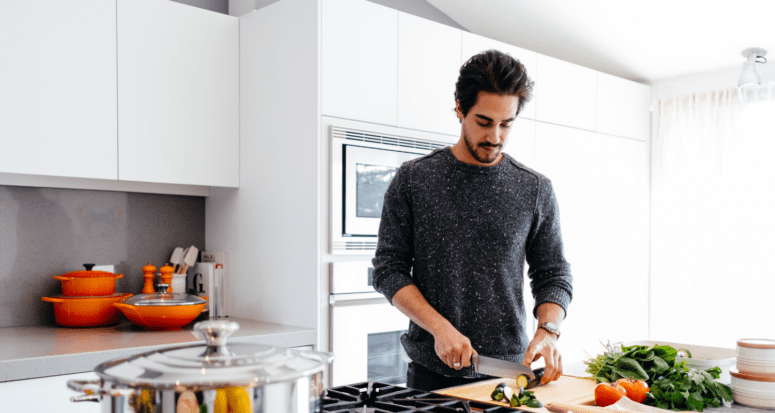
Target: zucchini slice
x: 522, y: 381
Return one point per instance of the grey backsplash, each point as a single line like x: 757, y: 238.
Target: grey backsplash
x: 46, y: 232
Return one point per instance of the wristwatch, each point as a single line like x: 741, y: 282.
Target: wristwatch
x: 550, y: 327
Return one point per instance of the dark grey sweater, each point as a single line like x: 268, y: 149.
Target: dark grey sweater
x: 461, y: 233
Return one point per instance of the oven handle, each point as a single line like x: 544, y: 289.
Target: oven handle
x: 349, y: 299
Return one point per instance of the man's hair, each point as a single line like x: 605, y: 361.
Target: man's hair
x: 492, y: 72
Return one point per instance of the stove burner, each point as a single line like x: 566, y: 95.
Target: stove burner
x: 375, y: 397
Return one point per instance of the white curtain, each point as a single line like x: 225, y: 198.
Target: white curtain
x: 713, y: 217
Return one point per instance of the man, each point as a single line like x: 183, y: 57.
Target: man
x: 457, y: 226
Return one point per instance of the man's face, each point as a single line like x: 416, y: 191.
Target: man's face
x: 486, y: 127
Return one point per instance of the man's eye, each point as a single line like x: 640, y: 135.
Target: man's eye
x: 484, y: 125
x: 506, y: 125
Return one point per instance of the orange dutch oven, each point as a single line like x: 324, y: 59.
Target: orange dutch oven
x: 161, y: 310
x: 86, y: 311
x: 88, y: 283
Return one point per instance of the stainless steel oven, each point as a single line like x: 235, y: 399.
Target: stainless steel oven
x: 365, y: 329
x: 363, y: 162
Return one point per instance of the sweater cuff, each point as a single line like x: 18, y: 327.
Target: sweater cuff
x: 390, y: 284
x: 555, y: 295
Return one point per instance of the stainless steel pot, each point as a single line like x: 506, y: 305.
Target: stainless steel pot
x: 234, y: 377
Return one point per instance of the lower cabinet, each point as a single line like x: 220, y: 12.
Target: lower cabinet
x: 47, y: 394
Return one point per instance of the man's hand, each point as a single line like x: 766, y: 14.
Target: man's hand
x: 453, y: 348
x: 544, y: 344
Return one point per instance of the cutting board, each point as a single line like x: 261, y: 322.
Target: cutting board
x: 565, y: 390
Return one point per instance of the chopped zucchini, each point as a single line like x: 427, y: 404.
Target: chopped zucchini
x: 534, y: 403
x: 507, y: 393
x: 536, y: 381
x: 522, y: 381
x: 497, y: 394
x: 684, y: 353
x: 514, y: 401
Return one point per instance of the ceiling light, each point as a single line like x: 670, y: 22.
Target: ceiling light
x: 749, y: 75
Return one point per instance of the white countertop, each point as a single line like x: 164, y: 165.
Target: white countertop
x: 40, y: 351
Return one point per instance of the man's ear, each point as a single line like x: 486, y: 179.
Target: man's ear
x: 458, y: 111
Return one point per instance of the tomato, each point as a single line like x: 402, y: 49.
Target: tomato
x: 636, y: 389
x: 607, y: 394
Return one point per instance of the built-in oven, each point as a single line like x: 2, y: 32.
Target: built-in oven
x: 365, y: 329
x: 363, y: 162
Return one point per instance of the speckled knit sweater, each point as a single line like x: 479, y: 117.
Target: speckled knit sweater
x: 461, y: 233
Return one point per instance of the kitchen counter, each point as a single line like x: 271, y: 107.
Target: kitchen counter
x: 41, y: 351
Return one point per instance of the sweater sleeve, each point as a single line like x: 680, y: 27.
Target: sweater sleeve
x: 549, y: 272
x: 394, y: 256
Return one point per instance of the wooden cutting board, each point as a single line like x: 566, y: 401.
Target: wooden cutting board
x: 565, y: 390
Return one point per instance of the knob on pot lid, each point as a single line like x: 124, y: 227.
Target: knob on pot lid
x: 215, y: 364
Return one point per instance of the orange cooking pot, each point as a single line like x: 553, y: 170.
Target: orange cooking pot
x: 88, y: 283
x: 86, y: 311
x: 161, y: 310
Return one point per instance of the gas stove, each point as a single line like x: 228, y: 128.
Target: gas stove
x: 375, y: 397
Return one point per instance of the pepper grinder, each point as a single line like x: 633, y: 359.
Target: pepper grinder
x: 166, y: 276
x: 149, y: 272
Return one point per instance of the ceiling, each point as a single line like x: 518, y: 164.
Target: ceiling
x: 641, y: 41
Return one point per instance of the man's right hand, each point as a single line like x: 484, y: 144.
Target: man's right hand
x: 453, y: 348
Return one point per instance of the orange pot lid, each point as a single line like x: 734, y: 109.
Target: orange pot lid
x: 84, y: 273
x: 761, y: 343
x: 752, y: 376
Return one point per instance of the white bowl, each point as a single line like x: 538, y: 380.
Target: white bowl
x: 756, y: 349
x: 753, y: 390
x: 744, y: 366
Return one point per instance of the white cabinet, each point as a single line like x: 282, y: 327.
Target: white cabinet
x: 428, y: 68
x: 47, y: 394
x: 359, y: 55
x: 178, y: 94
x: 473, y: 44
x: 623, y: 107
x: 601, y: 185
x: 565, y: 93
x: 58, y: 88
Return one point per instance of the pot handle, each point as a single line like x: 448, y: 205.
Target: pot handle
x: 86, y: 398
x: 119, y: 276
x: 52, y: 299
x: 59, y: 277
x: 92, y: 390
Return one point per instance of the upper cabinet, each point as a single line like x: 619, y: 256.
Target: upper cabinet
x: 565, y: 93
x: 359, y: 54
x: 58, y: 88
x: 178, y: 94
x: 428, y: 68
x: 623, y: 107
x: 474, y: 44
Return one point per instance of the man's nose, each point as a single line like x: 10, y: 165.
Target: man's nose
x: 495, y: 136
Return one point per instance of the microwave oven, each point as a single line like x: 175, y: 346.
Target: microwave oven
x: 363, y: 162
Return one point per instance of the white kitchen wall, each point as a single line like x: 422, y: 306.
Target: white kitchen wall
x: 715, y: 80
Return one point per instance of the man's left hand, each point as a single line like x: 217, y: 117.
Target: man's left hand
x: 544, y: 344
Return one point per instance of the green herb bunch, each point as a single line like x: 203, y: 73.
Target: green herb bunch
x: 633, y: 362
x: 688, y: 389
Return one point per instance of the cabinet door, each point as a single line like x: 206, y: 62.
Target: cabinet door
x: 474, y: 44
x: 623, y: 107
x: 428, y: 68
x: 47, y: 394
x: 58, y: 88
x: 178, y: 94
x: 601, y: 185
x: 565, y: 93
x: 359, y: 54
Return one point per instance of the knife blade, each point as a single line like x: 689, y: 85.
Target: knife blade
x: 499, y: 368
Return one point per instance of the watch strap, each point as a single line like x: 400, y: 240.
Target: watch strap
x: 550, y: 327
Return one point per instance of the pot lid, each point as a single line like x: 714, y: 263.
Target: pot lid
x: 161, y: 298
x: 215, y: 364
x: 89, y: 273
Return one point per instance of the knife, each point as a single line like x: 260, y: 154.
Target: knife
x: 499, y: 368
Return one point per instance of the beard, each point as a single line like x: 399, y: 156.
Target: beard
x: 477, y: 153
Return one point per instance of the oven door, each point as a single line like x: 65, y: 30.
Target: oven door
x: 366, y: 339
x: 367, y: 173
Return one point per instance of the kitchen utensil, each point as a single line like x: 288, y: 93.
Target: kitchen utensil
x: 254, y: 377
x: 189, y: 258
x: 166, y: 275
x: 161, y: 310
x: 88, y: 283
x: 499, y: 368
x: 176, y: 258
x: 178, y: 283
x: 753, y: 390
x: 85, y: 311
